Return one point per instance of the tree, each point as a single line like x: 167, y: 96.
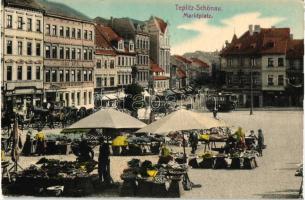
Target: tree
x: 134, y: 99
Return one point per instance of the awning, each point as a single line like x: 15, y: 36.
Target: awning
x: 111, y: 96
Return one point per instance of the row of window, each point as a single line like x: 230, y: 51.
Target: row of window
x: 78, y: 98
x: 68, y: 32
x: 103, y: 82
x: 20, y: 45
x: 106, y: 64
x: 142, y: 44
x: 142, y: 76
x: 280, y: 80
x: 126, y: 61
x: 252, y: 62
x: 160, y: 84
x: 68, y: 53
x: 142, y: 60
x: 280, y: 62
x: 67, y: 75
x: 124, y: 79
x: 21, y: 23
x: 20, y: 76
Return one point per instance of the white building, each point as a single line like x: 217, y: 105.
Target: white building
x: 22, y: 52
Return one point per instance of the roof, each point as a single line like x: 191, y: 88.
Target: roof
x: 200, y: 62
x: 155, y: 68
x: 101, y: 20
x: 181, y: 73
x: 62, y: 10
x: 30, y: 4
x: 267, y: 41
x: 161, y: 24
x: 295, y: 49
x: 160, y: 78
x: 182, y: 59
x: 109, y: 34
x: 102, y: 45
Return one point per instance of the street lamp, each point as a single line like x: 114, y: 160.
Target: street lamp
x: 251, y: 87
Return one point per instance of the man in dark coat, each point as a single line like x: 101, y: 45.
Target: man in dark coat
x: 85, y: 151
x: 194, y: 141
x: 104, y: 161
x: 260, y: 142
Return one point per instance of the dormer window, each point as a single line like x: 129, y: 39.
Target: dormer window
x: 131, y: 46
x: 121, y: 45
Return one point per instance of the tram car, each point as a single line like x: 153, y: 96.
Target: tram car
x: 222, y: 101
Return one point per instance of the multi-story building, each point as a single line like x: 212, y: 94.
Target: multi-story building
x: 125, y: 55
x: 159, y: 44
x: 68, y: 56
x: 135, y: 30
x: 259, y: 53
x: 22, y: 52
x: 295, y: 72
x: 105, y: 71
x: 183, y: 73
x: 160, y: 81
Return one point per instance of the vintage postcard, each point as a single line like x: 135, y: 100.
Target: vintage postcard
x: 152, y: 98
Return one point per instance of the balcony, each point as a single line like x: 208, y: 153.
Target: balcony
x: 66, y: 85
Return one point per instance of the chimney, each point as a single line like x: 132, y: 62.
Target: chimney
x: 257, y: 29
x: 291, y: 36
x: 251, y: 29
x: 227, y: 43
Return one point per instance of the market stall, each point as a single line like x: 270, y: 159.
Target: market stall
x: 145, y: 179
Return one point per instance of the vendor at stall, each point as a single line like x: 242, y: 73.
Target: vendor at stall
x: 85, y: 151
x: 165, y: 156
x: 41, y: 143
x: 119, y: 144
x: 240, y: 137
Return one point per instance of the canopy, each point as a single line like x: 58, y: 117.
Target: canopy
x: 108, y: 118
x: 181, y: 120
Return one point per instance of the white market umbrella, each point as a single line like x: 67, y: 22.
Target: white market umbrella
x: 108, y: 118
x: 181, y: 120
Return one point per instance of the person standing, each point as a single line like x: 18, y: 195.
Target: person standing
x: 85, y: 151
x: 260, y: 142
x: 40, y: 138
x: 104, y: 161
x: 194, y: 142
x: 215, y: 113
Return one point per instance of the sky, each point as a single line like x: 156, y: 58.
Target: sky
x: 189, y: 34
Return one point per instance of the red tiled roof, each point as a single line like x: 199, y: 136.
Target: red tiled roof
x: 267, y: 41
x: 182, y: 59
x: 295, y: 49
x: 162, y: 25
x: 200, y: 62
x: 102, y: 45
x: 159, y: 78
x: 181, y: 73
x: 108, y: 33
x: 155, y: 68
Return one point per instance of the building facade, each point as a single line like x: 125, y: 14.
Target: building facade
x: 259, y: 54
x: 136, y: 31
x: 22, y: 53
x: 160, y: 44
x: 68, y: 57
